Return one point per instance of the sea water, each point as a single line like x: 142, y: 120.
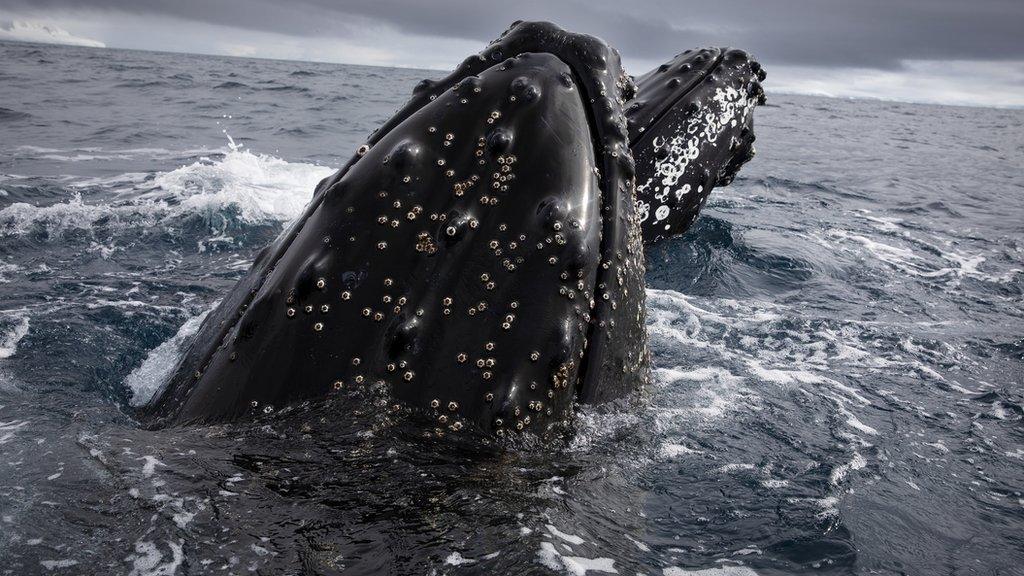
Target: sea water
x: 837, y: 349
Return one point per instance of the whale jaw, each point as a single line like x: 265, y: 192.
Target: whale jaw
x: 691, y: 129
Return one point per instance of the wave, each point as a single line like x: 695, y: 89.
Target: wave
x: 12, y: 330
x: 253, y: 188
x: 94, y: 154
x: 149, y: 378
x: 287, y: 88
x: 231, y: 84
x: 914, y: 257
x: 263, y: 188
x: 6, y: 114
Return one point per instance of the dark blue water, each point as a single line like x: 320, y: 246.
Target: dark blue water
x: 837, y: 346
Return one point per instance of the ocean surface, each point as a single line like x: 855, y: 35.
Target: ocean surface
x: 838, y: 382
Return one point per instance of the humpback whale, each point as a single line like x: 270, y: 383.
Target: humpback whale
x: 480, y: 256
x: 691, y: 128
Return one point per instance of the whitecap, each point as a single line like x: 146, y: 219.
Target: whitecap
x: 551, y: 558
x: 258, y: 188
x: 151, y: 376
x: 718, y: 571
x: 12, y: 335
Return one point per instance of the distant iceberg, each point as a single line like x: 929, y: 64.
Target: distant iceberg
x: 20, y: 31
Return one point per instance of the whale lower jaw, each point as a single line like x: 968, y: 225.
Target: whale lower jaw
x: 691, y: 129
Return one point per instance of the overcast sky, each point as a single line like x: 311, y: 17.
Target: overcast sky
x: 968, y: 52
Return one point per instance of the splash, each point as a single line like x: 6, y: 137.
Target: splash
x: 150, y: 377
x: 238, y: 183
x: 262, y: 188
x: 10, y: 338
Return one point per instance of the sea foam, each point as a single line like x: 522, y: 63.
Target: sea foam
x: 256, y: 188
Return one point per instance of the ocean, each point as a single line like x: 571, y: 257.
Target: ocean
x: 837, y: 349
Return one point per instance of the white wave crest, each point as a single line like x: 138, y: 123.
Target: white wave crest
x: 151, y: 376
x: 14, y: 329
x: 263, y: 188
x: 258, y: 188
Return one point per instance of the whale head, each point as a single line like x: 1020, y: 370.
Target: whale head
x: 479, y: 257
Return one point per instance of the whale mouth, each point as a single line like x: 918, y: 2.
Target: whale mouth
x: 691, y: 129
x: 478, y: 257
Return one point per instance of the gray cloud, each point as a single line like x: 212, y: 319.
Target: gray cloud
x: 835, y: 33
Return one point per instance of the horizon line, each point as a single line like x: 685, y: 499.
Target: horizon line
x: 445, y: 71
